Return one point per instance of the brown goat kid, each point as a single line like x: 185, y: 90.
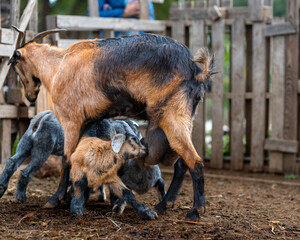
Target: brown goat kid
x: 96, y: 162
x: 143, y: 76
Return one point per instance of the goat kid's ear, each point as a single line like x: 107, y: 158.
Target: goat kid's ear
x: 117, y: 142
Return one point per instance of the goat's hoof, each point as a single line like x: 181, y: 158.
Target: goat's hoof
x: 77, y: 211
x: 193, y: 214
x: 2, y: 190
x: 146, y: 213
x: 52, y: 202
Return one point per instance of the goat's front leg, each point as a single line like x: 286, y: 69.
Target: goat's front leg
x: 198, y: 185
x: 71, y: 132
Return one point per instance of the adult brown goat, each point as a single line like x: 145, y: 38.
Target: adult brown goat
x: 143, y: 76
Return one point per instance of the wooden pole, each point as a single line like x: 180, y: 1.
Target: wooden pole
x: 291, y: 83
x: 258, y: 87
x: 144, y: 9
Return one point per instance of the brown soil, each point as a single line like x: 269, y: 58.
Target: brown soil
x: 237, y: 208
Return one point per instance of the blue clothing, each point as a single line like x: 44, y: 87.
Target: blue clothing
x: 115, y: 8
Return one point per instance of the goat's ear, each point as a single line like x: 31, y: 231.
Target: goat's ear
x: 117, y: 142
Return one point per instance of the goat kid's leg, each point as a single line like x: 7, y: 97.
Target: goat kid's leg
x: 198, y: 185
x: 160, y: 187
x: 142, y: 210
x: 126, y: 195
x: 37, y: 161
x: 71, y: 131
x: 80, y: 196
x: 102, y: 195
x: 180, y: 169
x: 11, y: 166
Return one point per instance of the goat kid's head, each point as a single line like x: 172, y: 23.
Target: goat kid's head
x: 22, y: 64
x: 128, y: 146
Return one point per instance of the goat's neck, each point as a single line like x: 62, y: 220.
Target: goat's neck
x: 46, y: 60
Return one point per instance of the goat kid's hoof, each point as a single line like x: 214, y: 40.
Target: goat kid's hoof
x: 49, y: 205
x: 161, y: 207
x: 147, y: 213
x: 2, y: 190
x: 21, y: 198
x: 77, y: 211
x: 193, y: 214
x: 119, y: 207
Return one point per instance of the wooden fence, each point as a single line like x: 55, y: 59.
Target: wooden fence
x: 255, y: 92
x: 15, y: 110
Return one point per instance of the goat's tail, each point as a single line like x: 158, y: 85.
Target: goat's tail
x: 206, y: 59
x: 40, y: 119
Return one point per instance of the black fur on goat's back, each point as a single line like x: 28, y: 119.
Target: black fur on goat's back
x: 161, y: 56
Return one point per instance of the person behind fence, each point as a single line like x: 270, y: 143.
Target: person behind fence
x: 123, y: 9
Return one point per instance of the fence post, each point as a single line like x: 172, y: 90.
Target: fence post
x: 291, y: 84
x: 277, y: 99
x: 217, y: 113
x: 198, y: 41
x: 178, y: 28
x: 258, y: 86
x: 237, y: 93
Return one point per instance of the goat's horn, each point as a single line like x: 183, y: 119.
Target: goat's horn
x: 41, y: 35
x: 20, y: 37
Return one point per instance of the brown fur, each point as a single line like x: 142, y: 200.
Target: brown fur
x: 95, y: 160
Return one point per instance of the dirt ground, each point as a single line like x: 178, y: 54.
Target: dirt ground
x: 237, y: 208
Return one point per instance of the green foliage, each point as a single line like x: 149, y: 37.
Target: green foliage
x: 290, y: 176
x: 13, y: 151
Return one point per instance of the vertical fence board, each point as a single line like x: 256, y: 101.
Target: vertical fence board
x: 291, y: 82
x: 238, y: 93
x: 218, y: 95
x: 178, y: 30
x: 198, y: 134
x: 5, y: 139
x: 277, y: 101
x: 258, y: 100
x: 248, y: 109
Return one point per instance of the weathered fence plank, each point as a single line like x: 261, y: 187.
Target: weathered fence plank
x: 5, y: 139
x: 291, y: 81
x: 83, y: 23
x: 277, y: 100
x: 198, y: 134
x: 258, y: 100
x: 238, y: 93
x: 218, y: 94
